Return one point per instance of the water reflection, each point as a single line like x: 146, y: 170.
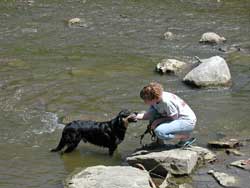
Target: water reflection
x: 88, y: 155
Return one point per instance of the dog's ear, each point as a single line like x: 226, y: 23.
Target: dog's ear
x: 124, y: 113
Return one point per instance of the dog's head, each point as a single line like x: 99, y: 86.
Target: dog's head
x: 126, y: 117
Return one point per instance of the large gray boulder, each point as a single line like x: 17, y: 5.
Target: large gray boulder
x: 211, y: 72
x: 174, y: 161
x: 108, y: 177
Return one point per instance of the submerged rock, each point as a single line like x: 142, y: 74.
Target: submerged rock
x: 74, y: 21
x: 108, y: 177
x: 211, y: 37
x: 224, y: 179
x: 29, y: 30
x: 185, y: 185
x: 244, y: 164
x: 234, y: 151
x: 232, y: 143
x: 170, y: 66
x: 211, y: 72
x: 230, y: 49
x: 168, y: 35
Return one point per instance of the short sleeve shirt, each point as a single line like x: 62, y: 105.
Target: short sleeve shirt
x: 173, y: 106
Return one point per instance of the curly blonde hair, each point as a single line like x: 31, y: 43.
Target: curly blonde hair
x: 152, y: 91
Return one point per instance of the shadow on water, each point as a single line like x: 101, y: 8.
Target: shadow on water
x: 88, y: 155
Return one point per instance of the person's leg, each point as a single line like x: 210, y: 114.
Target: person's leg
x: 179, y: 129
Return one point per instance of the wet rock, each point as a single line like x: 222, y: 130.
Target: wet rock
x: 168, y: 35
x: 232, y: 143
x: 74, y: 21
x: 244, y: 164
x: 18, y: 64
x: 211, y: 37
x: 230, y: 49
x: 203, y: 153
x: 175, y: 161
x: 170, y: 66
x: 28, y: 2
x: 108, y: 177
x: 224, y: 179
x: 211, y: 72
x: 166, y: 182
x: 29, y: 30
x: 185, y: 185
x: 234, y: 151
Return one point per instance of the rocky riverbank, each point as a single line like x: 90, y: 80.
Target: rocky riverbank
x: 167, y: 166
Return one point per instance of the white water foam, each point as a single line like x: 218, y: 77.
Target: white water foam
x: 49, y: 123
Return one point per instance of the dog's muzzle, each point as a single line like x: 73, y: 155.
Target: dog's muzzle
x: 132, y: 117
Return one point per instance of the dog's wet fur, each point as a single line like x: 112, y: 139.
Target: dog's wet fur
x: 106, y: 134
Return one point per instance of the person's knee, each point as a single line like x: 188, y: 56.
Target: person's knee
x: 162, y: 135
x: 158, y: 133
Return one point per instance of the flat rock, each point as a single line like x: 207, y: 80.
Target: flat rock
x: 244, y: 164
x: 224, y: 179
x: 204, y: 153
x: 108, y: 177
x: 234, y: 151
x: 174, y: 161
x: 232, y: 143
x: 185, y: 185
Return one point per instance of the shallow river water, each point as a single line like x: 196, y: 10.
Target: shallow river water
x: 49, y: 70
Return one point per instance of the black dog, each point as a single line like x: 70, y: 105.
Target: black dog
x: 106, y: 134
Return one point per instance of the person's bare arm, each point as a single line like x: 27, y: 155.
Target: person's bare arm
x: 143, y: 116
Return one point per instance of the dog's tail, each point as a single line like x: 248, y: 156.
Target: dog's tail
x: 60, y: 146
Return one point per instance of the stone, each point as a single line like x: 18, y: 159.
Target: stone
x: 108, y: 177
x: 232, y: 143
x: 170, y: 66
x: 74, y: 21
x: 211, y: 37
x: 211, y: 72
x: 29, y: 30
x: 204, y: 154
x: 243, y: 164
x: 234, y: 151
x: 175, y: 161
x: 185, y: 185
x: 230, y: 49
x: 224, y: 179
x: 168, y: 35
